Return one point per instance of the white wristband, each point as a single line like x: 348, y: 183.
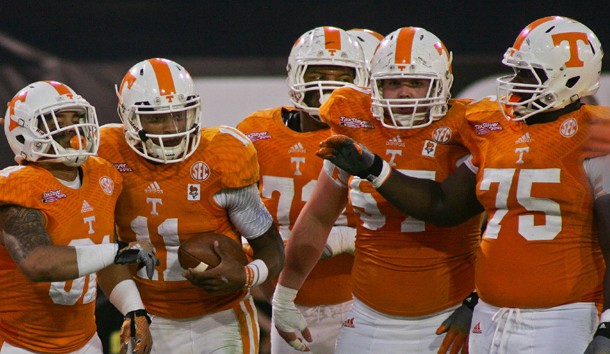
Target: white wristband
x: 383, y: 175
x: 91, y: 259
x: 605, y: 317
x: 257, y: 273
x: 125, y: 297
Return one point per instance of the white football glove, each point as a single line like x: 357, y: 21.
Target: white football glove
x: 287, y: 318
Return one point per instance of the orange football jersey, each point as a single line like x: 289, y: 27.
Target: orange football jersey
x: 289, y: 171
x: 539, y: 249
x: 404, y: 266
x: 169, y: 203
x: 56, y: 317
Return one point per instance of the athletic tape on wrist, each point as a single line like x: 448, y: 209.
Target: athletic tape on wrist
x: 283, y: 294
x: 256, y: 273
x: 90, y: 259
x: 383, y: 175
x: 125, y: 297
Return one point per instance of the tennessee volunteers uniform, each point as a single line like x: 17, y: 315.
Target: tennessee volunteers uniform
x: 170, y: 203
x: 539, y: 249
x: 289, y: 172
x: 289, y: 169
x: 403, y: 266
x: 56, y: 317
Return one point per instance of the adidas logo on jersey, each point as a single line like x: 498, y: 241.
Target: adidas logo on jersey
x: 525, y: 138
x: 297, y: 148
x: 86, y: 207
x: 349, y: 323
x: 395, y: 141
x: 154, y: 188
x: 477, y: 328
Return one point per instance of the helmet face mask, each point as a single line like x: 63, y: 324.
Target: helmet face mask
x: 160, y: 111
x: 48, y: 122
x: 411, y: 54
x: 562, y: 55
x: 322, y: 46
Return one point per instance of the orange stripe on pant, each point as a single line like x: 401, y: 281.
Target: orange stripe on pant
x: 248, y: 326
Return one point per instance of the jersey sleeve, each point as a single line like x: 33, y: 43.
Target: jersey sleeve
x: 17, y: 187
x: 599, y: 139
x: 344, y: 106
x: 233, y: 155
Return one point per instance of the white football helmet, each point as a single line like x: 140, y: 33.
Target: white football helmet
x: 323, y: 46
x: 564, y: 57
x: 369, y: 40
x: 160, y: 86
x: 36, y: 133
x: 411, y: 53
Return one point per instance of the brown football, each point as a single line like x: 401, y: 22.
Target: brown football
x: 200, y: 248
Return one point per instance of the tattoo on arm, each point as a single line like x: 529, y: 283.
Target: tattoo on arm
x: 23, y: 230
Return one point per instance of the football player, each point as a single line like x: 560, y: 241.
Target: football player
x: 182, y: 180
x: 57, y: 231
x: 409, y: 277
x: 286, y: 138
x: 540, y: 270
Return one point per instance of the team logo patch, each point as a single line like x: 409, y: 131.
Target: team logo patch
x: 122, y: 167
x: 200, y: 171
x: 395, y: 141
x: 442, y: 135
x: 256, y: 136
x: 194, y: 192
x: 487, y: 127
x: 568, y: 128
x: 429, y: 148
x: 53, y: 196
x: 107, y: 185
x: 354, y: 123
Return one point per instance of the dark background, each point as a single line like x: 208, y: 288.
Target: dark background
x: 110, y: 30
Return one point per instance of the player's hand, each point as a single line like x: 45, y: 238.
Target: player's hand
x: 288, y: 319
x: 350, y: 156
x: 140, y: 252
x: 457, y: 327
x: 601, y: 340
x: 227, y: 277
x: 135, y: 333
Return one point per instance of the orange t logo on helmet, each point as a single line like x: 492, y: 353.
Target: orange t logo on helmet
x: 332, y: 40
x: 572, y: 38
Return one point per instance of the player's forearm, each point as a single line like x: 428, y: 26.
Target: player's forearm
x: 446, y: 203
x: 270, y: 249
x: 50, y: 263
x: 303, y: 250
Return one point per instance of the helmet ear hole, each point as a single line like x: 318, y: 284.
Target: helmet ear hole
x: 571, y: 82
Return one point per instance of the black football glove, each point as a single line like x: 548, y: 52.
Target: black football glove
x: 142, y: 253
x: 351, y: 157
